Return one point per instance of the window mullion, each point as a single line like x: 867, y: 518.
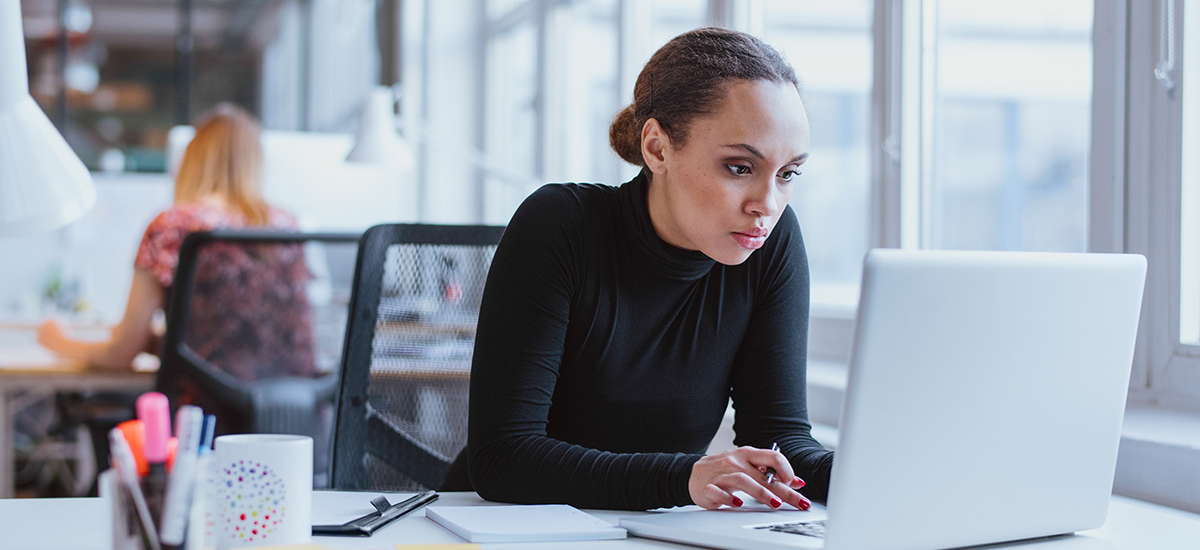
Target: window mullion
x: 885, y: 125
x: 543, y: 85
x: 1106, y: 192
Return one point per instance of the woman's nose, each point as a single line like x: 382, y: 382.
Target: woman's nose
x: 763, y: 201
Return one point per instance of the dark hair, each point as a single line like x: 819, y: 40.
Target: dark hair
x: 687, y: 78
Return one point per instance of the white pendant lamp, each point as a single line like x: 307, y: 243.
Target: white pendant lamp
x: 377, y: 141
x: 43, y: 184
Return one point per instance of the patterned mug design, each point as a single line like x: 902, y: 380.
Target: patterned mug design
x: 251, y: 498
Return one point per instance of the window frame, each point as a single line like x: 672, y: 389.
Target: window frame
x: 900, y: 175
x: 1166, y: 372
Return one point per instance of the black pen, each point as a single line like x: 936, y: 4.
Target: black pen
x: 770, y: 470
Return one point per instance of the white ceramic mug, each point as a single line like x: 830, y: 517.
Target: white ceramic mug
x: 263, y: 490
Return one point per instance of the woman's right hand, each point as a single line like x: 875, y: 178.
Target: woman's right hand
x: 715, y: 477
x: 51, y: 335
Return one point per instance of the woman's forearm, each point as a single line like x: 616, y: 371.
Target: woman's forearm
x: 540, y: 469
x: 99, y: 354
x: 111, y: 353
x: 128, y: 338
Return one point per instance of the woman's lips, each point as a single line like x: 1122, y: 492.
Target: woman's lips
x: 752, y: 239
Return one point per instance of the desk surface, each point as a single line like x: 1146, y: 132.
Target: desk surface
x: 42, y: 523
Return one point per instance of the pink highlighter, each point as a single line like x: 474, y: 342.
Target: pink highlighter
x: 154, y: 411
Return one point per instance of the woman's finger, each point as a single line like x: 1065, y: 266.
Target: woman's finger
x: 716, y: 496
x: 787, y: 492
x: 775, y: 495
x: 790, y: 495
x: 756, y: 489
x: 766, y: 458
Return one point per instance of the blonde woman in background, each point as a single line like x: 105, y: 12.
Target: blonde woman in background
x: 218, y: 187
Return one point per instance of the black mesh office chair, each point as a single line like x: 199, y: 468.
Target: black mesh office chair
x: 402, y: 409
x: 255, y: 324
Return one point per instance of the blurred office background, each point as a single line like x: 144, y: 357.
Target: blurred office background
x: 496, y: 97
x: 960, y: 124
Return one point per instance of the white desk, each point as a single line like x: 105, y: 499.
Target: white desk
x: 81, y: 524
x: 29, y: 372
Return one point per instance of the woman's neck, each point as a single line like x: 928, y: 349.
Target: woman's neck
x: 214, y: 201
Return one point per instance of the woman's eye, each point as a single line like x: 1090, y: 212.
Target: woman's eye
x: 738, y: 169
x: 788, y: 175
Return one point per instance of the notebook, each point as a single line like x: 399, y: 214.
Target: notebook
x: 984, y: 405
x: 535, y: 523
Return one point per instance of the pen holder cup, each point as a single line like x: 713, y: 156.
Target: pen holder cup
x: 126, y: 534
x: 261, y: 490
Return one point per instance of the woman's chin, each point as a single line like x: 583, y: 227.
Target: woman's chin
x: 730, y: 255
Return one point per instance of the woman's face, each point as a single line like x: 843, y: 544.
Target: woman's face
x: 723, y: 191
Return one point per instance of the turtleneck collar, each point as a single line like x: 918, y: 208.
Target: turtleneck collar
x: 660, y: 255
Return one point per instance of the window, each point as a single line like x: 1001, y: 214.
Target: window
x: 1011, y: 101
x: 1161, y: 200
x: 832, y: 199
x: 555, y: 74
x: 513, y: 138
x: 956, y: 124
x: 980, y: 138
x: 668, y: 19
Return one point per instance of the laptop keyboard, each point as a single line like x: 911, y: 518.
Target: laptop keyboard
x: 813, y: 528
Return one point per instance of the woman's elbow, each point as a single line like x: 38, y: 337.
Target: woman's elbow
x: 488, y: 478
x: 121, y: 351
x: 482, y: 479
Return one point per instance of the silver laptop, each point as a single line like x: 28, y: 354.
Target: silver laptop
x: 984, y: 405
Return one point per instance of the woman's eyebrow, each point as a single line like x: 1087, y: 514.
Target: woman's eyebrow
x: 799, y: 158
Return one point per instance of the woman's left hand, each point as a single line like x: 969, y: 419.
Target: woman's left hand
x: 715, y: 478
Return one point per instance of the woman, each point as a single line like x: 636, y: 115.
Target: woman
x: 217, y: 187
x: 642, y: 309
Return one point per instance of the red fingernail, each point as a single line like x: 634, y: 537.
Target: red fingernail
x: 737, y: 502
x: 775, y: 503
x: 804, y: 505
x: 798, y: 480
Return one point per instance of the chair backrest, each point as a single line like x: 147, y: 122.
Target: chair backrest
x: 255, y: 324
x: 402, y: 408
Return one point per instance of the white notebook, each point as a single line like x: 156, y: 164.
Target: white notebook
x: 530, y: 523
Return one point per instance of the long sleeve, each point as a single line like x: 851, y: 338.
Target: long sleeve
x: 518, y: 352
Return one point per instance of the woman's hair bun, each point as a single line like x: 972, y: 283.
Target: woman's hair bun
x: 625, y: 137
x: 686, y: 79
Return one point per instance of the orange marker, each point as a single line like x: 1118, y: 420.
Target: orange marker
x: 135, y: 434
x: 172, y: 445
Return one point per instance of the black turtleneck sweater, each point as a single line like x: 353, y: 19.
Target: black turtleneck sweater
x: 605, y: 357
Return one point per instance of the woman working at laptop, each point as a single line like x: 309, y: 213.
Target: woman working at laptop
x: 618, y: 321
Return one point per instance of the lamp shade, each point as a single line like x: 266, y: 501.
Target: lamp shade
x: 377, y: 141
x: 43, y: 184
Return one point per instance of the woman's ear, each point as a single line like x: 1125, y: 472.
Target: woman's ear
x: 655, y: 144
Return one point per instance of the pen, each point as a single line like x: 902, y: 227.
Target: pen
x: 771, y: 471
x: 189, y: 422
x: 206, y: 435
x: 199, y: 526
x: 126, y: 468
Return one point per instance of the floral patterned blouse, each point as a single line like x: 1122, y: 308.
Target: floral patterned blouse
x: 159, y: 251
x: 249, y: 314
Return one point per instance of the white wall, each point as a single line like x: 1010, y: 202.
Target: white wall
x: 96, y: 252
